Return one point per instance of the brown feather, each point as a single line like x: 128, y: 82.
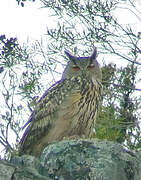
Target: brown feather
x: 69, y: 108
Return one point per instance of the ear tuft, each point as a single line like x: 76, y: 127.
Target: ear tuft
x: 94, y: 55
x: 69, y: 55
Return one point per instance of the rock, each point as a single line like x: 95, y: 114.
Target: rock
x: 91, y: 159
x: 6, y: 170
x: 80, y: 159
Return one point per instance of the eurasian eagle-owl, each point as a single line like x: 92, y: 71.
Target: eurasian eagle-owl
x: 68, y: 108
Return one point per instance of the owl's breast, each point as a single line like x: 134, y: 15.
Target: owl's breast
x: 76, y: 114
x: 78, y: 111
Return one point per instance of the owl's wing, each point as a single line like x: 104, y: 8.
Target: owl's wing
x: 40, y: 120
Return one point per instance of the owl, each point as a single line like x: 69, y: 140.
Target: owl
x: 68, y: 108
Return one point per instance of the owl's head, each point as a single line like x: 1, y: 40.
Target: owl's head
x: 86, y: 67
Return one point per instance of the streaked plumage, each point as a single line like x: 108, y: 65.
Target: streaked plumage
x: 68, y: 108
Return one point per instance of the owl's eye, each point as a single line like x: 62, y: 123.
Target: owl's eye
x: 76, y: 68
x: 91, y: 66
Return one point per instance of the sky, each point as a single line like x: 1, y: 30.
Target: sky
x: 23, y: 22
x: 32, y: 20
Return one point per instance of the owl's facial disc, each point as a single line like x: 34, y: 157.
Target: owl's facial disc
x: 86, y: 67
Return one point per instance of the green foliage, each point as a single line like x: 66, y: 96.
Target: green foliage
x: 109, y: 126
x: 88, y: 23
x: 22, y: 72
x: 10, y: 52
x: 118, y: 119
x: 11, y: 55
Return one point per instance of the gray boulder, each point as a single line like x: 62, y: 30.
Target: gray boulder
x: 80, y: 159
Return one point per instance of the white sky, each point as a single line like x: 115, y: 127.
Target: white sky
x: 31, y: 20
x: 21, y: 22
